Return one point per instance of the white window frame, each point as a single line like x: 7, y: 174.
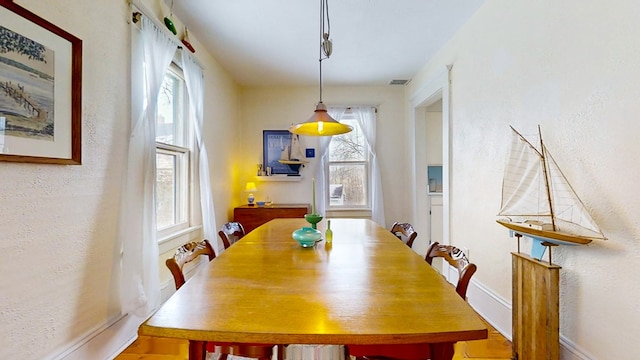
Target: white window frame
x: 185, y: 173
x: 367, y: 165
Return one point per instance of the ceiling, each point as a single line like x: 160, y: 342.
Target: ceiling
x: 276, y: 42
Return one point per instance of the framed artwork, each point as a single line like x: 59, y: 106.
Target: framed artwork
x: 40, y: 89
x: 276, y: 146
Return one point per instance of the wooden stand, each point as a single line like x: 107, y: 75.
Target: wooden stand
x: 536, y: 306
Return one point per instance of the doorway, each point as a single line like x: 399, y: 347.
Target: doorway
x: 431, y: 149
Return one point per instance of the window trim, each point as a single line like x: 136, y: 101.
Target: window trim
x: 367, y: 165
x: 186, y: 169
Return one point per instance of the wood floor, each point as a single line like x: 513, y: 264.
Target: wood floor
x: 495, y: 347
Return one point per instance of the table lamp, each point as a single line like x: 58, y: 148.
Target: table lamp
x: 251, y: 188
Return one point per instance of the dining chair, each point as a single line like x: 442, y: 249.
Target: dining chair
x: 404, y: 232
x: 188, y: 253
x: 456, y: 258
x: 230, y: 233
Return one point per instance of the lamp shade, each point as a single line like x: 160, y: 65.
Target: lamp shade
x: 320, y: 124
x: 251, y: 187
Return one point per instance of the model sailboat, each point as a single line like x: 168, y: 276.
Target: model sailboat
x: 292, y: 155
x: 538, y: 201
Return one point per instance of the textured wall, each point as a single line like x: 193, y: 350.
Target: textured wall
x: 570, y: 67
x: 58, y: 223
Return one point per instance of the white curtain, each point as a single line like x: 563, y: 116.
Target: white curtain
x: 195, y: 88
x: 323, y: 155
x: 152, y: 52
x: 366, y: 118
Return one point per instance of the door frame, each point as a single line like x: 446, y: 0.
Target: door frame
x: 435, y: 89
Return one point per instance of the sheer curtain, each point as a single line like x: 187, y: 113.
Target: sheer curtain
x: 366, y: 118
x: 152, y: 52
x: 323, y: 146
x: 195, y: 88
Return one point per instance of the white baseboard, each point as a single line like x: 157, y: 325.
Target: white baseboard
x: 497, y: 312
x: 493, y: 308
x: 104, y: 342
x: 570, y: 351
x: 110, y: 339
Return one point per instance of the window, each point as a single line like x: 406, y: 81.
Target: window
x: 348, y: 170
x: 173, y: 155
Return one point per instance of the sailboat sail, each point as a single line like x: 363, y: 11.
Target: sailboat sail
x: 523, y: 187
x: 536, y: 195
x: 570, y: 214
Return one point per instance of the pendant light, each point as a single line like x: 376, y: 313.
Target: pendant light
x: 320, y: 123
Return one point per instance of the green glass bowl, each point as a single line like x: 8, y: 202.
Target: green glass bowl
x: 313, y: 219
x: 307, y: 236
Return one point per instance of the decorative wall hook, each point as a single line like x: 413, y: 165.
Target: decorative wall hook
x: 185, y: 41
x: 168, y: 22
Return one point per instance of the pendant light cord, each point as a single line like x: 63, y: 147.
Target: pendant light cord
x: 325, y: 16
x: 325, y: 43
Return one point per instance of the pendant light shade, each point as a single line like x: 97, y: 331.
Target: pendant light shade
x: 320, y: 123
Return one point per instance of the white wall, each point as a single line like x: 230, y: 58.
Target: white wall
x: 433, y: 136
x: 278, y: 108
x: 58, y: 224
x: 570, y: 67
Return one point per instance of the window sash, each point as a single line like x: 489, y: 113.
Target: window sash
x: 179, y: 135
x: 180, y: 201
x: 365, y: 162
x: 366, y: 183
x: 181, y: 138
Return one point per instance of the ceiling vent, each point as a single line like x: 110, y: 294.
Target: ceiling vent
x: 398, y: 82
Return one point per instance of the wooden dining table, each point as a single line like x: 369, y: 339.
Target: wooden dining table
x: 367, y: 287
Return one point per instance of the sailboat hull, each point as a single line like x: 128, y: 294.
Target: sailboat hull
x: 556, y: 237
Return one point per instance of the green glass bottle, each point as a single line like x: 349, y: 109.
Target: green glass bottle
x: 328, y: 234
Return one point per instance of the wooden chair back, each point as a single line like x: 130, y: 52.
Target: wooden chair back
x: 230, y: 233
x: 186, y: 254
x: 456, y: 258
x: 404, y: 232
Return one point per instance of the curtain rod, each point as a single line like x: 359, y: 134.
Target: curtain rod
x: 352, y: 106
x: 144, y: 11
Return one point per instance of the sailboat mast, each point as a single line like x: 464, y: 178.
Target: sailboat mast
x: 547, y: 180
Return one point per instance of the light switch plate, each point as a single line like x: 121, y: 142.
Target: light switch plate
x: 310, y: 152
